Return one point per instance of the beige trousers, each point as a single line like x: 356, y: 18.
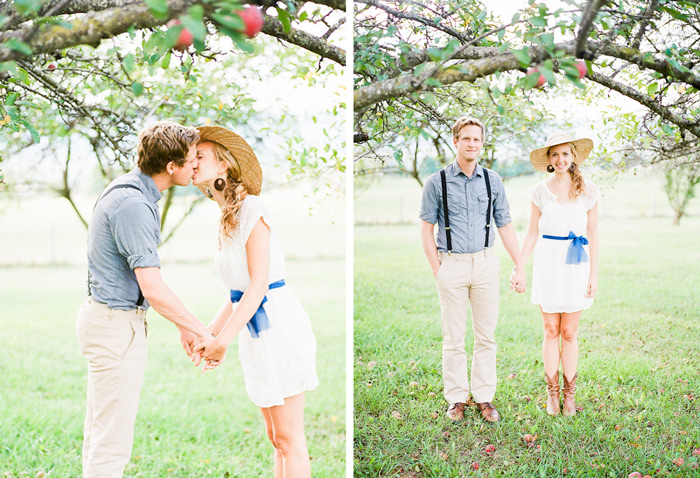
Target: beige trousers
x: 465, y: 279
x: 114, y: 344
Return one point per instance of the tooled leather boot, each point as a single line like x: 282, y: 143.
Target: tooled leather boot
x: 552, y: 394
x: 569, y: 393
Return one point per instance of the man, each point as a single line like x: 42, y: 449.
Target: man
x: 466, y: 268
x: 123, y: 281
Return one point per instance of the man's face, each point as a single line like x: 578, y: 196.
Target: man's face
x: 469, y: 142
x: 183, y: 174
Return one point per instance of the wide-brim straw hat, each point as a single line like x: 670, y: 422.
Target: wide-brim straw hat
x: 540, y: 160
x: 251, y: 173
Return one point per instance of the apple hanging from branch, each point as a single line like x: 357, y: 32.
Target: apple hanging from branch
x: 541, y: 80
x: 252, y: 20
x: 184, y: 40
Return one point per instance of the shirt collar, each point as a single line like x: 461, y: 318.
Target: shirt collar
x: 456, y: 170
x: 150, y: 190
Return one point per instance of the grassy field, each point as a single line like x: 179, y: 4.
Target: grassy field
x: 189, y: 424
x: 639, y: 362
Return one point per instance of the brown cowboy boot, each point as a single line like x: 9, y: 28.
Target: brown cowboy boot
x: 552, y: 393
x: 569, y: 393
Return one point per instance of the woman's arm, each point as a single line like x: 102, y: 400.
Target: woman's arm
x: 258, y: 255
x: 221, y: 317
x: 593, y: 249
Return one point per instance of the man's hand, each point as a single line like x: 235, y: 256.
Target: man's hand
x: 188, y: 341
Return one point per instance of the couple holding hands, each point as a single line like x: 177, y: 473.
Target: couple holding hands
x: 276, y: 344
x: 464, y: 200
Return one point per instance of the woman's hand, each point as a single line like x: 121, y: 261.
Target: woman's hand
x: 212, y: 350
x: 592, y: 287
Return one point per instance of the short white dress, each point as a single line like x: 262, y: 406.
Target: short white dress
x: 558, y: 286
x: 281, y: 361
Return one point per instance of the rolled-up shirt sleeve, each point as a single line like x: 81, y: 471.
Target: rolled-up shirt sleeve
x: 429, y: 205
x: 501, y: 210
x: 135, y: 231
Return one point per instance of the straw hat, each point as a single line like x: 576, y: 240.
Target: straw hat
x: 251, y: 174
x: 583, y: 146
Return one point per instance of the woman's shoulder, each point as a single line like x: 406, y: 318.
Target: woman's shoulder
x: 253, y: 203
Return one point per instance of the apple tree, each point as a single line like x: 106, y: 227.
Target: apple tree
x: 420, y: 65
x: 85, y: 76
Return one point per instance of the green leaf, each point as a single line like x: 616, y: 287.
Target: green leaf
x: 242, y: 44
x: 501, y: 110
x: 523, y: 57
x: 195, y: 26
x: 36, y: 137
x: 165, y: 62
x: 137, y: 88
x: 538, y: 21
x: 27, y: 7
x: 516, y: 18
x: 158, y: 8
x: 19, y: 46
x: 10, y: 100
x: 285, y: 19
x: 28, y: 104
x: 129, y: 62
x: 652, y: 88
x: 232, y: 22
x: 548, y: 74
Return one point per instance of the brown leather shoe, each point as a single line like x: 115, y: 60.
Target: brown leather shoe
x: 455, y: 411
x: 488, y: 412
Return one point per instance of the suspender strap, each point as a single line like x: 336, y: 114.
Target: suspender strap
x: 448, y: 233
x: 140, y: 300
x: 488, y: 206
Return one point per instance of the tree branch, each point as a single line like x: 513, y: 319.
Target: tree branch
x: 645, y: 23
x: 415, y: 18
x: 405, y: 85
x: 691, y: 125
x: 273, y: 27
x: 589, y: 15
x: 89, y: 29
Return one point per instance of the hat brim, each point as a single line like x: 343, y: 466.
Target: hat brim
x: 540, y: 160
x: 251, y: 173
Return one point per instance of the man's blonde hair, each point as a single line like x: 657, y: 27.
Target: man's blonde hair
x: 466, y: 121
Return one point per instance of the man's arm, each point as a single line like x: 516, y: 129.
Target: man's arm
x: 510, y: 242
x: 427, y: 236
x: 166, y: 303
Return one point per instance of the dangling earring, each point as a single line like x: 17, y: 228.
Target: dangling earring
x: 572, y: 168
x: 219, y: 184
x: 550, y: 168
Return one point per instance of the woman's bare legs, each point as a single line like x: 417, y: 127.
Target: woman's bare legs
x: 285, y: 429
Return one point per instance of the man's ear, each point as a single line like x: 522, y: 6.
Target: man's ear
x: 170, y: 167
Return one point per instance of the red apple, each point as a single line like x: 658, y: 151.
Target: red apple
x: 696, y: 452
x: 582, y: 68
x: 51, y: 66
x: 185, y: 39
x: 678, y: 461
x: 490, y: 449
x: 634, y: 474
x: 252, y: 19
x: 475, y: 466
x: 541, y: 80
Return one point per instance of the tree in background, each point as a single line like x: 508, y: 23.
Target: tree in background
x: 77, y: 75
x: 426, y: 58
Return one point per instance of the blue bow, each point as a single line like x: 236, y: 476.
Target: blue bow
x: 576, y: 254
x: 259, y: 321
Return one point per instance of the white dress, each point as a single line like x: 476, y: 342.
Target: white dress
x: 556, y: 285
x: 281, y: 361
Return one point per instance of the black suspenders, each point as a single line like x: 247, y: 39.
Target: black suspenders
x: 448, y: 231
x: 139, y: 302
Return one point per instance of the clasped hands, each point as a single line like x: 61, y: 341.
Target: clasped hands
x: 518, y: 282
x: 209, y: 350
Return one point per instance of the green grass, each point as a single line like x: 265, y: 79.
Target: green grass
x: 189, y: 424
x: 638, y: 367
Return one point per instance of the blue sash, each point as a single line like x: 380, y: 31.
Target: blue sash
x: 259, y: 321
x: 576, y: 253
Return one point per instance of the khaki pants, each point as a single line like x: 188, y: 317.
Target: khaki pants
x: 465, y: 279
x: 114, y: 344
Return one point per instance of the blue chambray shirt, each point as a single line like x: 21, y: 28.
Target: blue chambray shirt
x: 124, y: 234
x: 466, y: 202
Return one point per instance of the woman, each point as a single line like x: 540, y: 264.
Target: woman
x: 276, y: 344
x: 564, y: 225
